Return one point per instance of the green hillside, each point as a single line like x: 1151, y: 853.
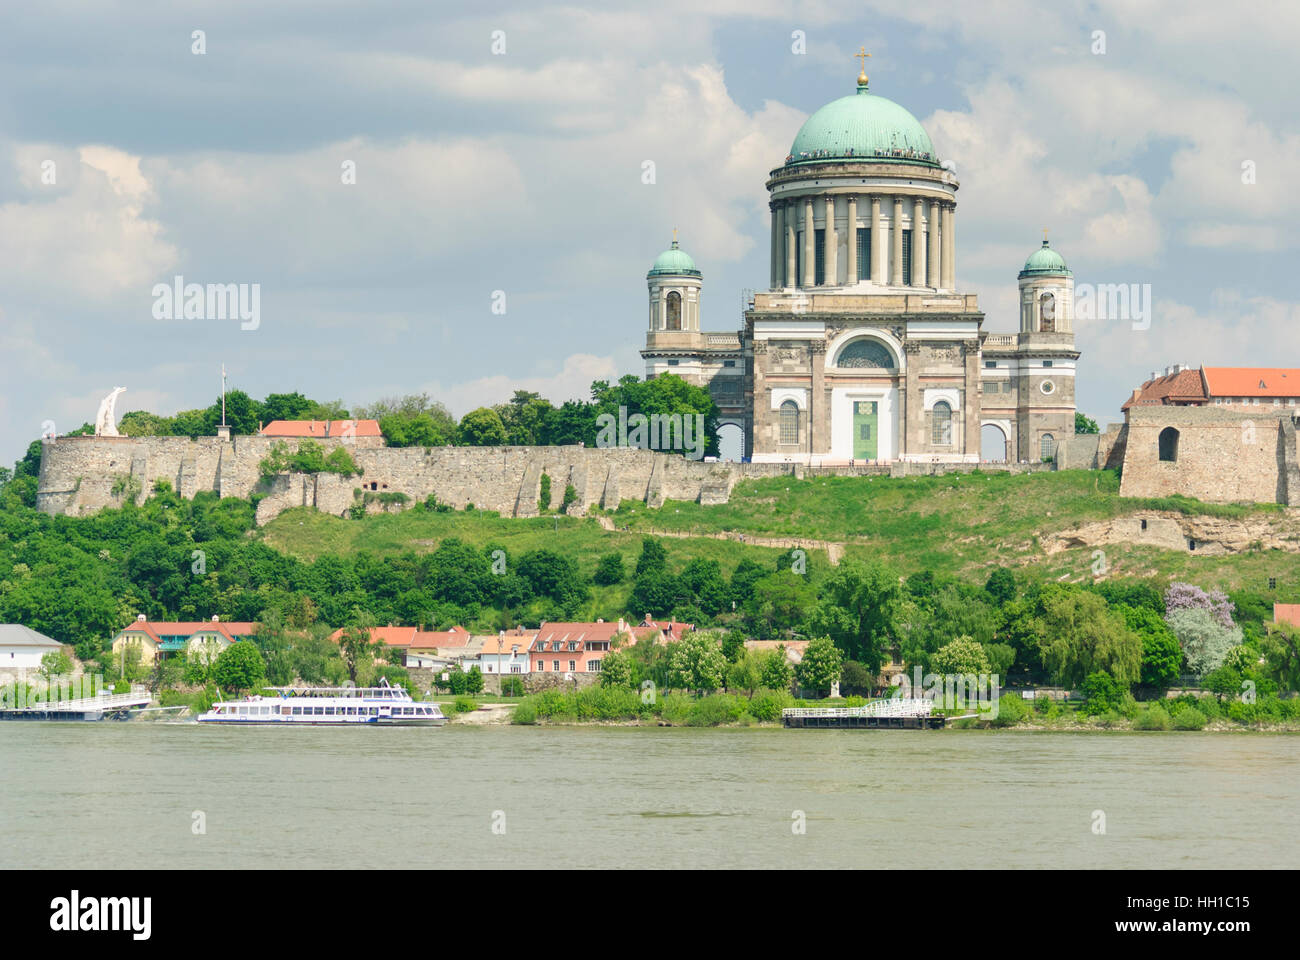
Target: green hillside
x: 959, y: 524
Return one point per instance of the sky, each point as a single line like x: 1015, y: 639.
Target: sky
x: 497, y: 228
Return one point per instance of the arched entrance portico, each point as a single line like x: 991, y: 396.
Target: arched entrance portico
x: 993, y: 442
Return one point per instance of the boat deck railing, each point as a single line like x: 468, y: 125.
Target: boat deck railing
x: 891, y: 707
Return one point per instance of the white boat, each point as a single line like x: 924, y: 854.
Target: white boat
x: 383, y: 705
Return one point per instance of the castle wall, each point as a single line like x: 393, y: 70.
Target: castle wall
x: 81, y: 475
x: 1223, y: 455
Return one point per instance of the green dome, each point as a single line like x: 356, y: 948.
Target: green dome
x: 1045, y: 262
x: 674, y: 262
x: 862, y: 126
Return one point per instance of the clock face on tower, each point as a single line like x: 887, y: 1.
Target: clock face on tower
x: 1047, y: 387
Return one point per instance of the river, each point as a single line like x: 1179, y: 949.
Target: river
x: 175, y: 795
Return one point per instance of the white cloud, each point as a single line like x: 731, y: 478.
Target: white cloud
x: 572, y: 382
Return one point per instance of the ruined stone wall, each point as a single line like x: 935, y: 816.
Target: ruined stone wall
x: 1223, y: 455
x: 81, y: 475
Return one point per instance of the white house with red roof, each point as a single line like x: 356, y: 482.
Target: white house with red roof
x: 206, y: 638
x: 582, y: 647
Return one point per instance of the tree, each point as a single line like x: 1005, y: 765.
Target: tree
x: 1188, y: 596
x: 239, y: 667
x: 474, y: 680
x: 482, y: 428
x: 696, y: 663
x: 356, y: 647
x: 858, y: 611
x: 746, y: 673
x: 779, y: 604
x: 856, y: 680
x: 776, y: 673
x: 1078, y: 635
x: 1281, y: 650
x: 617, y: 669
x: 1001, y: 586
x: 1101, y: 693
x: 609, y: 570
x: 1204, y: 638
x: 820, y: 667
x: 653, y: 559
x: 1083, y: 424
x: 1162, y: 657
x: 56, y: 663
x: 960, y: 657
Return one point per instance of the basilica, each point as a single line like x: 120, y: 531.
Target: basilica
x: 863, y: 347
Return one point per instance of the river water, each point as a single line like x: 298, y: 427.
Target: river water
x: 137, y: 794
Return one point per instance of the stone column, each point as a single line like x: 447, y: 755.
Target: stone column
x: 851, y: 267
x: 832, y: 244
x: 762, y: 402
x: 778, y: 245
x: 971, y: 400
x: 897, y: 238
x: 878, y: 242
x: 918, y: 244
x: 809, y: 244
x: 949, y: 271
x: 818, y: 413
x: 932, y: 261
x: 790, y: 238
x: 910, y: 406
x: 775, y: 210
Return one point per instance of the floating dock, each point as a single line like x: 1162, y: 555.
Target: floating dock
x: 118, y: 705
x: 892, y: 714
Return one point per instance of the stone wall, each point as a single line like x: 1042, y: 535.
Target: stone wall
x: 1223, y: 455
x: 79, y: 475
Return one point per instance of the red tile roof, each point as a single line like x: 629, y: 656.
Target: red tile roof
x: 434, y: 639
x: 388, y: 636
x: 1287, y: 613
x: 322, y: 429
x: 1252, y: 381
x: 157, y: 629
x: 1183, y: 388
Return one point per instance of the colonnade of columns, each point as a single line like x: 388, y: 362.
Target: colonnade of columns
x: 932, y: 249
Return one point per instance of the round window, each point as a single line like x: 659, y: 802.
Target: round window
x: 1047, y: 387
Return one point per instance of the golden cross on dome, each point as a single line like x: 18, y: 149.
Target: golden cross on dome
x: 862, y: 55
x: 1044, y: 234
x: 674, y: 234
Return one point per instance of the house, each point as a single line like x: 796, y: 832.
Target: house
x: 580, y: 647
x: 1234, y: 388
x: 413, y: 647
x: 670, y: 631
x: 365, y: 433
x: 793, y: 648
x: 21, y: 648
x: 1288, y: 613
x: 205, y: 638
x: 505, y: 653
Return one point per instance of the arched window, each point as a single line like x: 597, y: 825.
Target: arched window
x: 1047, y: 313
x: 1169, y: 444
x: 866, y: 353
x: 941, y: 431
x: 1046, y: 446
x: 789, y: 422
x: 674, y: 311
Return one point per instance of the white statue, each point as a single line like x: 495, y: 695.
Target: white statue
x: 106, y: 419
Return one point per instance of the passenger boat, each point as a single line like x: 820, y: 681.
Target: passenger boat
x: 383, y: 705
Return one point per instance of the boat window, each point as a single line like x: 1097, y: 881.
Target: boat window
x: 297, y: 711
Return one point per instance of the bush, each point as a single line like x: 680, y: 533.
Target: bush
x: 465, y: 705
x: 716, y: 709
x: 1012, y: 709
x: 512, y: 686
x: 1101, y: 693
x: 609, y: 570
x: 766, y: 705
x: 675, y: 708
x: 1153, y: 718
x: 1188, y: 718
x: 525, y: 714
x: 544, y: 498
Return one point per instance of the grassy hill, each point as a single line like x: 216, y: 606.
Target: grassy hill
x: 960, y: 524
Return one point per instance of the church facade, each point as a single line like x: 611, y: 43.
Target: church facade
x: 864, y: 347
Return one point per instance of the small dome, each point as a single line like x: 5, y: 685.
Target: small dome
x: 1045, y: 262
x: 674, y: 262
x: 863, y: 127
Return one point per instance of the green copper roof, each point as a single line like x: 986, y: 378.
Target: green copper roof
x: 674, y: 262
x: 1045, y: 262
x: 862, y: 127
